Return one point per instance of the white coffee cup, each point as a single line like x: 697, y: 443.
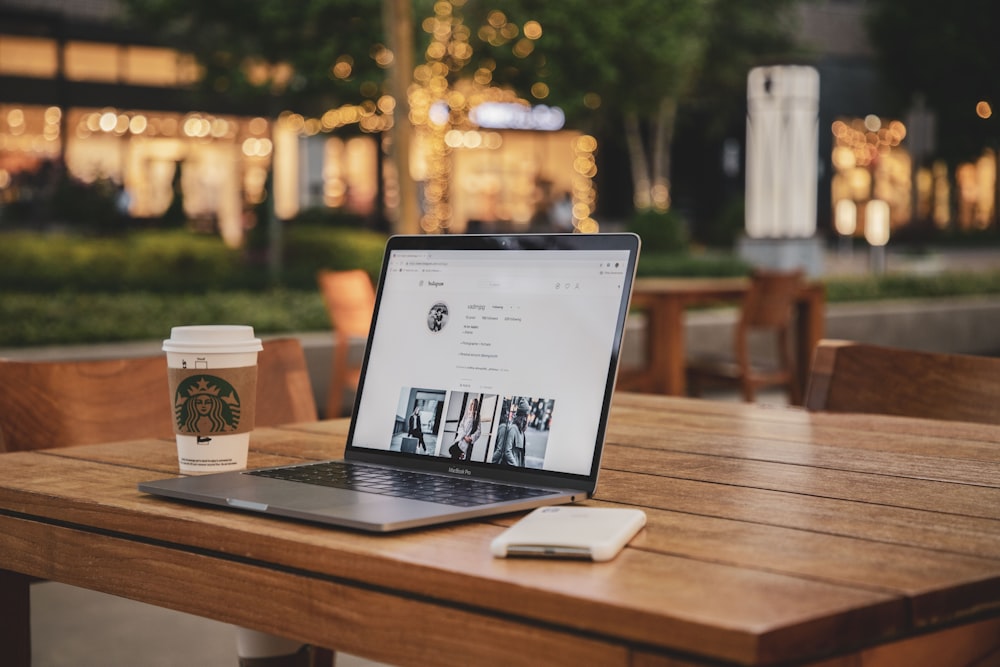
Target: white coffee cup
x: 213, y: 394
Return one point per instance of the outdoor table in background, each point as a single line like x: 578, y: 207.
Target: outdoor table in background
x: 664, y: 301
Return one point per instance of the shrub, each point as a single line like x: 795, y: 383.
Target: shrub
x: 174, y: 261
x: 728, y: 225
x: 68, y: 317
x: 181, y: 262
x: 677, y: 264
x: 905, y: 286
x: 161, y: 261
x: 661, y: 232
x: 309, y: 248
x: 88, y: 205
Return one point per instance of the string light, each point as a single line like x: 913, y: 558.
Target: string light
x: 440, y: 110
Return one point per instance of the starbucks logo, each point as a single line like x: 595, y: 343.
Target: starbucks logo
x: 206, y: 404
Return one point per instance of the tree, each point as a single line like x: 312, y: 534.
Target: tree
x: 946, y: 54
x: 638, y: 63
x: 309, y: 54
x: 631, y: 64
x: 636, y: 57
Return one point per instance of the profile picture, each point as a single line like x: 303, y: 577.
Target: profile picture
x: 437, y: 316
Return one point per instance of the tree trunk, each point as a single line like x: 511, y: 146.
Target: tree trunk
x: 637, y: 161
x: 663, y: 138
x: 398, y: 18
x: 651, y: 175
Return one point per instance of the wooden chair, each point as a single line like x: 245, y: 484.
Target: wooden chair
x: 768, y: 309
x: 46, y: 404
x: 64, y: 403
x: 350, y: 301
x: 847, y: 376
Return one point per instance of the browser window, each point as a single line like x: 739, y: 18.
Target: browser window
x: 470, y: 343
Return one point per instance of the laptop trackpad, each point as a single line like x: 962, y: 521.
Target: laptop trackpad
x: 262, y: 494
x: 335, y: 506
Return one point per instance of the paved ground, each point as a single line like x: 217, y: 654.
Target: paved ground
x: 72, y: 627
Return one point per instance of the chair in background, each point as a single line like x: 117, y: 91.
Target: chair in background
x: 45, y: 404
x: 847, y: 376
x: 767, y: 310
x: 64, y: 403
x: 350, y: 301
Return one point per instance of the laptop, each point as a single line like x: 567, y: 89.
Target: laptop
x: 485, y: 387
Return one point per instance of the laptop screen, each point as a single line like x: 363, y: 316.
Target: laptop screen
x: 493, y: 353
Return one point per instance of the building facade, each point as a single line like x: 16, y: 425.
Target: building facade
x: 82, y: 95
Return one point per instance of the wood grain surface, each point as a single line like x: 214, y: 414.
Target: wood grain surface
x: 774, y: 536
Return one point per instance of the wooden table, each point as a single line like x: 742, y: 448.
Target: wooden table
x: 775, y: 536
x: 665, y: 299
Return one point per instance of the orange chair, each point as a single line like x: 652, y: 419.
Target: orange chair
x: 350, y: 301
x: 855, y: 377
x: 768, y: 309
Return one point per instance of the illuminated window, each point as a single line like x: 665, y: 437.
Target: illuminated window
x: 28, y: 56
x: 188, y: 69
x: 91, y: 62
x: 147, y: 66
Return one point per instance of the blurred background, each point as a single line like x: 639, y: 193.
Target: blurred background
x: 179, y: 146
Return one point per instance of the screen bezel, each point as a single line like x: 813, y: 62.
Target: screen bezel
x: 506, y: 242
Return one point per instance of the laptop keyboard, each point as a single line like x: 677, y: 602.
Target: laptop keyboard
x: 402, y: 483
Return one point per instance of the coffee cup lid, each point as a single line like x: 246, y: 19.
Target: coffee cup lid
x: 225, y: 338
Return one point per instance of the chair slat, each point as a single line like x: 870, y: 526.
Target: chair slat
x: 47, y: 404
x: 848, y: 376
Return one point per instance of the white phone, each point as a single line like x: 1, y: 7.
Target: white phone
x: 570, y: 531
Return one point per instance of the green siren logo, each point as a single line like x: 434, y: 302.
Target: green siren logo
x: 206, y: 404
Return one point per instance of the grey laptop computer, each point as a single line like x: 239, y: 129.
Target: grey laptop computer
x: 486, y: 387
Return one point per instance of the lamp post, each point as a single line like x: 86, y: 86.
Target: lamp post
x: 845, y: 221
x: 877, y: 232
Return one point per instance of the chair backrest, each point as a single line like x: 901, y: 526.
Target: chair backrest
x: 855, y: 377
x: 64, y: 403
x: 350, y: 301
x: 768, y: 307
x: 771, y: 298
x: 284, y: 390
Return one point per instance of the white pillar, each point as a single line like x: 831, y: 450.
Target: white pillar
x: 782, y: 152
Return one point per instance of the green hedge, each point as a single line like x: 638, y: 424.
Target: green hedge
x: 67, y: 317
x: 687, y: 265
x: 175, y: 261
x: 904, y: 286
x: 309, y: 248
x: 60, y: 289
x: 661, y: 231
x: 161, y: 261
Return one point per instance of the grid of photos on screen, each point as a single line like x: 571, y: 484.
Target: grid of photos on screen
x: 511, y: 430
